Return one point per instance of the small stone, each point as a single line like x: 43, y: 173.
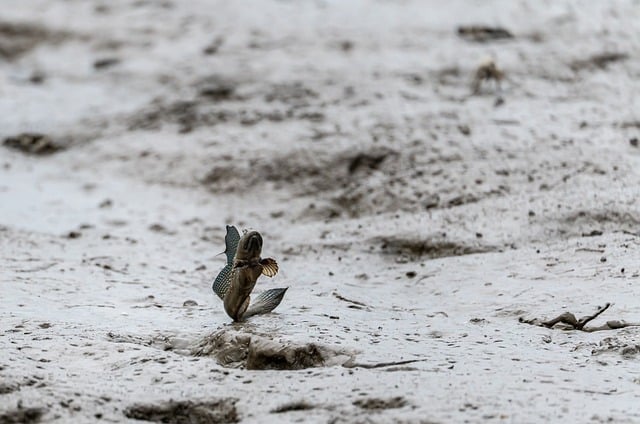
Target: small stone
x: 190, y: 303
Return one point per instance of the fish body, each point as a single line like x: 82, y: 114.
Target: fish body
x: 236, y: 281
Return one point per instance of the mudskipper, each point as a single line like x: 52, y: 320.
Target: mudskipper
x: 238, y: 278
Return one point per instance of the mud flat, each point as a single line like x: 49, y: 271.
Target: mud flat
x: 421, y: 220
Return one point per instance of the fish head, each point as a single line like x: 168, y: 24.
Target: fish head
x: 249, y: 246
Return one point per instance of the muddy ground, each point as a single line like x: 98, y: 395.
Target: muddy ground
x: 415, y: 221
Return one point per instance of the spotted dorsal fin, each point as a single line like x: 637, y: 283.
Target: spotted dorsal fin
x: 223, y: 281
x: 231, y: 243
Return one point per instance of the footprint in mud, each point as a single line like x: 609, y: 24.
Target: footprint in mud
x: 173, y: 412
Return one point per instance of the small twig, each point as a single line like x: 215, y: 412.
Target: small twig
x: 570, y: 319
x: 355, y: 302
x: 38, y: 268
x: 588, y: 249
x: 584, y: 320
x: 350, y: 364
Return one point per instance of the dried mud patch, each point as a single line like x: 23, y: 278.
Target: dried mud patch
x: 235, y: 350
x: 218, y: 100
x: 432, y: 247
x: 185, y: 412
x: 305, y: 170
x: 359, y: 182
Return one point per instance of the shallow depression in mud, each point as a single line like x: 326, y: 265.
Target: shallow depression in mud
x: 236, y: 349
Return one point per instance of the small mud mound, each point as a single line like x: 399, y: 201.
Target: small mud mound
x: 378, y: 403
x: 185, y: 412
x: 232, y: 349
x: 431, y: 247
x: 267, y: 355
x: 22, y: 415
x: 625, y: 346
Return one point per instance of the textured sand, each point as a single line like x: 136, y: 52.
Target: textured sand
x: 415, y: 223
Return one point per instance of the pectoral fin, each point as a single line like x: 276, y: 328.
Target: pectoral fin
x: 265, y: 302
x: 269, y: 267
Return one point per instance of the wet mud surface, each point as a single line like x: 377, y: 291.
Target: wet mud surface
x: 425, y: 205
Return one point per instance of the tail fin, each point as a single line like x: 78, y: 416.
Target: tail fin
x: 265, y: 302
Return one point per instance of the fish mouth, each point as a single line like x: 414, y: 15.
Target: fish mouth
x: 253, y: 243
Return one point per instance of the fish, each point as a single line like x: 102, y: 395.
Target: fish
x: 236, y: 281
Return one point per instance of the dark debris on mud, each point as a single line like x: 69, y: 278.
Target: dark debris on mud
x: 185, y: 412
x: 301, y: 405
x: 483, y: 34
x: 265, y: 356
x: 220, y: 100
x: 259, y: 353
x: 434, y: 246
x: 33, y: 144
x: 296, y: 167
x: 598, y: 61
x: 22, y: 415
x: 18, y: 38
x: 379, y: 403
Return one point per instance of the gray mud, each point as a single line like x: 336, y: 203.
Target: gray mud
x: 419, y: 207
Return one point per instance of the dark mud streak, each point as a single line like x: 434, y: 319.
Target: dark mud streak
x: 316, y: 172
x: 18, y: 38
x: 430, y: 247
x: 33, y: 144
x: 483, y: 34
x: 598, y: 61
x: 186, y: 412
x: 22, y: 415
x: 379, y: 403
x: 301, y: 405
